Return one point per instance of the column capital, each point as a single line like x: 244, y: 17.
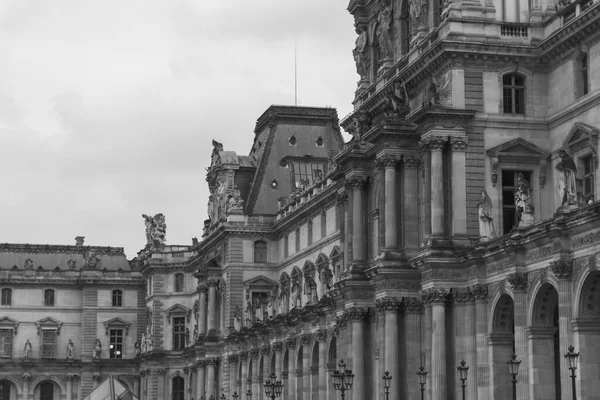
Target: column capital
x: 194, y: 368
x: 432, y: 143
x: 412, y: 162
x: 435, y: 296
x: 161, y: 371
x: 213, y: 361
x: 70, y: 377
x: 458, y: 143
x: 305, y: 339
x: 563, y: 270
x: 387, y: 304
x: 480, y: 292
x: 355, y: 314
x: 342, y: 198
x: 186, y: 370
x: 412, y: 305
x: 26, y: 376
x: 356, y: 181
x: 253, y: 353
x: 518, y: 281
x: 463, y: 295
x: 244, y: 356
x: 232, y: 359
x: 322, y: 335
x: 265, y: 350
x: 388, y: 161
x: 212, y: 283
x: 290, y: 343
x: 277, y: 347
x: 202, y: 288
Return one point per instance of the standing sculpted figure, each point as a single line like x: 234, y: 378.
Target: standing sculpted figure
x: 486, y: 221
x: 27, y: 349
x: 523, y: 201
x: 70, y: 347
x: 361, y: 57
x: 296, y: 293
x: 156, y: 229
x: 568, y: 183
x: 383, y: 32
x: 97, y: 349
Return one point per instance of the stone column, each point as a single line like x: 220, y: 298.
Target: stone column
x: 437, y: 298
x: 161, y: 388
x: 26, y: 377
x: 211, y: 365
x: 426, y: 360
x: 322, y: 338
x: 69, y: 388
x: 426, y: 190
x: 356, y: 318
x: 563, y: 270
x: 143, y: 384
x: 460, y: 340
x: 200, y: 379
x: 233, y: 374
x: 306, y: 341
x: 389, y: 306
x: 391, y: 218
x: 291, y: 370
x: 212, y: 307
x: 471, y: 346
x: 299, y: 384
x: 412, y: 325
x: 518, y: 281
x: 136, y: 385
x: 347, y: 248
x: 253, y: 378
x: 358, y: 241
x: 480, y: 292
x: 411, y: 203
x: 203, y: 289
x: 459, y: 186
x: 187, y: 371
x: 437, y: 187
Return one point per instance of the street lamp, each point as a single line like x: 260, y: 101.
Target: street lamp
x: 463, y: 369
x: 571, y: 356
x: 513, y: 365
x: 249, y: 394
x: 343, y: 380
x: 273, y: 387
x: 422, y: 374
x: 386, y: 384
x: 235, y: 395
x: 223, y: 397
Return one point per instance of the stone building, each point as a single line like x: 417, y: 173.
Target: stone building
x: 459, y: 223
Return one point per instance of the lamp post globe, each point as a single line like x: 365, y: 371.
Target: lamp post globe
x: 572, y: 357
x: 463, y: 369
x: 342, y: 379
x: 422, y: 374
x: 513, y: 365
x: 386, y: 384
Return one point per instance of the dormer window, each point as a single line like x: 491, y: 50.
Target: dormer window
x: 305, y: 174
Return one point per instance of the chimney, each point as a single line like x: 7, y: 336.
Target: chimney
x: 79, y: 240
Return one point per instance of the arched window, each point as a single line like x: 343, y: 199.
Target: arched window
x: 117, y: 298
x: 260, y: 251
x: 47, y: 391
x: 6, y: 297
x: 179, y: 283
x: 178, y: 388
x: 513, y: 93
x: 49, y: 297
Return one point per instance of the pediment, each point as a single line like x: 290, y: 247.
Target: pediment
x: 260, y: 280
x: 178, y: 310
x: 48, y: 323
x: 117, y: 323
x: 9, y: 323
x: 581, y: 135
x: 518, y: 149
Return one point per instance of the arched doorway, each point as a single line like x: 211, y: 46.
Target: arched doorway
x: 178, y: 392
x: 586, y: 328
x: 544, y: 344
x: 47, y: 391
x: 314, y: 372
x: 331, y: 366
x: 299, y: 374
x: 502, y: 343
x: 6, y: 391
x: 286, y: 375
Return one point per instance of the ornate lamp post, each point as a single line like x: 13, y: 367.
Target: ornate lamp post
x: 222, y: 397
x: 342, y: 379
x: 571, y: 356
x: 513, y: 364
x: 249, y: 394
x: 386, y: 384
x: 273, y: 387
x: 235, y: 395
x: 463, y: 369
x: 422, y: 374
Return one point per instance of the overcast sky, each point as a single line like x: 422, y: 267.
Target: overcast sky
x: 108, y: 108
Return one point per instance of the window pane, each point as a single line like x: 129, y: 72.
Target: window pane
x: 519, y: 101
x: 47, y: 391
x: 117, y: 300
x: 6, y: 342
x: 6, y: 297
x: 49, y: 297
x: 519, y: 80
x: 507, y: 80
x: 48, y: 343
x: 116, y: 343
x: 178, y: 333
x: 5, y: 390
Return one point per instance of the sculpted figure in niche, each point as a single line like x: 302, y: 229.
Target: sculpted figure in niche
x: 361, y: 58
x: 248, y: 314
x: 149, y: 341
x: 568, y: 183
x: 418, y: 10
x: 283, y: 303
x: 296, y: 293
x: 137, y: 347
x: 523, y: 201
x: 310, y: 289
x: 258, y: 309
x: 144, y: 344
x: 326, y: 277
x: 27, y: 349
x: 195, y: 337
x: 91, y: 259
x: 486, y: 221
x: 97, y: 349
x: 70, y: 347
x: 187, y: 337
x: 237, y: 318
x: 383, y: 31
x: 270, y: 307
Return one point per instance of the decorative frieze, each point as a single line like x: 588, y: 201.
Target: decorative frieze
x: 585, y: 240
x: 539, y: 254
x: 395, y: 285
x: 518, y: 281
x: 443, y: 274
x: 501, y: 266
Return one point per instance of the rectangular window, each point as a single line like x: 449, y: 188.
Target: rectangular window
x: 49, y: 297
x: 260, y: 251
x: 509, y: 212
x: 6, y: 342
x: 513, y: 90
x: 179, y: 282
x: 117, y: 298
x: 588, y: 179
x: 179, y: 333
x: 48, y: 345
x: 116, y: 343
x: 584, y: 74
x: 304, y: 175
x: 6, y: 297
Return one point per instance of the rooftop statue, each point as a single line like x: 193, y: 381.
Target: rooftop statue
x: 156, y: 230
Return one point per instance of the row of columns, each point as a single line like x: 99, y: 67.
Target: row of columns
x: 207, y: 312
